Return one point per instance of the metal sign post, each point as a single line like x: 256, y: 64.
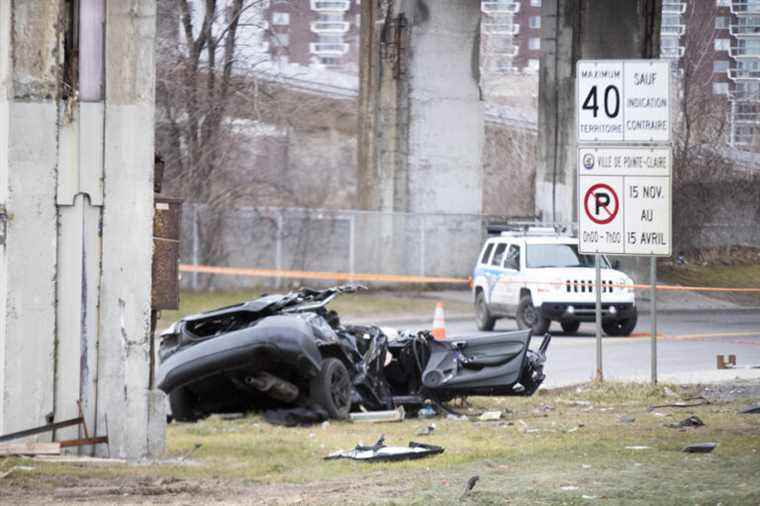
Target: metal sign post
x: 624, y: 168
x: 597, y: 289
x: 653, y: 260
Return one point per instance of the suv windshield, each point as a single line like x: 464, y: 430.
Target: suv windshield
x: 558, y: 255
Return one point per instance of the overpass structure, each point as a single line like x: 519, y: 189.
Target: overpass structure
x: 421, y: 108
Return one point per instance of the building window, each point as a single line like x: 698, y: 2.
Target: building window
x: 329, y: 61
x: 722, y: 44
x: 534, y: 43
x: 534, y: 64
x: 534, y: 22
x: 720, y: 88
x: 280, y: 40
x: 721, y: 22
x: 723, y: 3
x: 280, y: 18
x: 535, y: 3
x: 720, y: 66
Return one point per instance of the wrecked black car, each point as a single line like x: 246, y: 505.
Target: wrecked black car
x: 289, y: 350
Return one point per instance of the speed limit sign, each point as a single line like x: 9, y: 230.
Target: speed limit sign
x: 623, y: 101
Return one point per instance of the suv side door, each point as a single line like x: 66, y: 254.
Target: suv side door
x: 509, y: 287
x: 496, y: 270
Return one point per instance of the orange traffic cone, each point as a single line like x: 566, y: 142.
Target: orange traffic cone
x: 439, y: 325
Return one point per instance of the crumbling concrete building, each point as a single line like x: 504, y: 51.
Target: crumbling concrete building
x: 76, y: 209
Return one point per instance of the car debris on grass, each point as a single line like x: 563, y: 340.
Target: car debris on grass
x: 380, y: 452
x: 290, y: 354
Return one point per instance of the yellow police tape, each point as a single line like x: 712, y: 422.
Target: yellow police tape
x: 398, y: 278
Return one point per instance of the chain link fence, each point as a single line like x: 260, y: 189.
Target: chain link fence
x: 355, y: 241
x: 321, y: 240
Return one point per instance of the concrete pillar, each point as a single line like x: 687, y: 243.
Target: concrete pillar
x: 421, y: 118
x: 29, y: 41
x: 124, y: 396
x: 573, y: 30
x: 76, y: 165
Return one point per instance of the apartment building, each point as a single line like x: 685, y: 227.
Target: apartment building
x: 314, y: 32
x: 717, y: 43
x: 511, y: 35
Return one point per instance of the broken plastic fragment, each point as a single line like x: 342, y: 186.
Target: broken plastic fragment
x: 700, y: 448
x: 381, y: 453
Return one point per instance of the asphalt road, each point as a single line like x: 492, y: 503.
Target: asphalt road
x: 687, y: 348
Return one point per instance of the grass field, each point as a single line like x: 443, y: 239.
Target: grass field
x: 733, y: 276
x: 561, y: 447
x: 360, y: 306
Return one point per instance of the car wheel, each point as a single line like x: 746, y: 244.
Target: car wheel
x: 529, y: 317
x: 620, y: 328
x: 483, y: 318
x: 182, y: 403
x: 331, y: 388
x: 570, y: 326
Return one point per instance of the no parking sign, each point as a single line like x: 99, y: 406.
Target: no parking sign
x: 624, y: 191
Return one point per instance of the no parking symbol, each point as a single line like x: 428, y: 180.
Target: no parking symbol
x: 601, y: 203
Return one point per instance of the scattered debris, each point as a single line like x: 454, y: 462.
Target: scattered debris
x: 54, y: 448
x: 490, y: 416
x: 726, y: 364
x: 379, y: 452
x: 639, y: 447
x: 30, y: 448
x: 426, y: 431
x: 668, y: 392
x: 427, y: 411
x: 692, y: 421
x: 700, y: 401
x: 298, y: 416
x: 190, y: 452
x: 470, y: 484
x: 588, y: 497
x: 231, y: 416
x: 700, y: 448
x: 458, y: 418
x: 751, y: 410
x: 575, y: 429
x: 395, y: 415
x: 568, y: 488
x: 627, y: 419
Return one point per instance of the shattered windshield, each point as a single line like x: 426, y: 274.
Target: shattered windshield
x: 558, y: 255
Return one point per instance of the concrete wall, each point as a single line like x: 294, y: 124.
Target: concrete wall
x: 573, y: 30
x: 446, y: 128
x: 76, y: 162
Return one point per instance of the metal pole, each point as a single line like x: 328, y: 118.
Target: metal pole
x: 278, y: 248
x: 654, y: 318
x: 597, y: 289
x: 196, y: 247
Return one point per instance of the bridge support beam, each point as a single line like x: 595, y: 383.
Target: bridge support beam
x: 573, y: 30
x: 421, y: 115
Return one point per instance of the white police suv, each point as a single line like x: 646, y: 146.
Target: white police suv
x: 537, y: 276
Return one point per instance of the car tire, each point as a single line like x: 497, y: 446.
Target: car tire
x: 620, y: 328
x: 529, y: 316
x: 182, y: 403
x: 483, y: 317
x: 331, y: 388
x: 570, y: 326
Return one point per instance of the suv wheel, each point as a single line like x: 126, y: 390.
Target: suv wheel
x: 620, y: 328
x: 529, y: 316
x: 331, y: 388
x: 483, y: 318
x: 570, y: 326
